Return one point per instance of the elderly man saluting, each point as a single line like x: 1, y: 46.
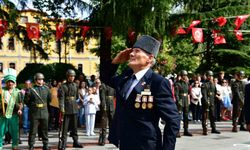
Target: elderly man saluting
x: 143, y: 97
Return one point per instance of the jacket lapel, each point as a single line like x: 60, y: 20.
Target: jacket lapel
x: 145, y: 80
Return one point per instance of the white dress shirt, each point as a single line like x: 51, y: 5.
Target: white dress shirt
x: 138, y: 76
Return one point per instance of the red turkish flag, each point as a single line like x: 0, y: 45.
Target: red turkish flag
x: 218, y: 39
x: 221, y: 21
x: 3, y: 27
x: 197, y: 34
x: 181, y: 31
x: 33, y: 30
x: 60, y: 29
x: 85, y: 30
x: 239, y: 21
x: 108, y: 33
x: 238, y: 35
x: 131, y: 36
x: 193, y: 24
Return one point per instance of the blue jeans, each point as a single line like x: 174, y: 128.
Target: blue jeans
x: 26, y: 121
x: 81, y: 116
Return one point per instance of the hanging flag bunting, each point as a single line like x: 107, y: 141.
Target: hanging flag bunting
x: 108, y: 33
x: 180, y: 30
x: 85, y: 30
x: 3, y: 27
x: 60, y: 29
x: 238, y: 35
x: 197, y: 34
x: 239, y: 21
x: 193, y: 24
x: 218, y: 39
x: 131, y: 36
x: 221, y: 21
x: 33, y: 30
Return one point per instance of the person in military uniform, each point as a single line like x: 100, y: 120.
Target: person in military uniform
x: 37, y: 99
x: 208, y: 91
x: 68, y: 94
x: 182, y: 100
x: 10, y: 108
x: 107, y: 109
x: 142, y: 98
x: 238, y: 101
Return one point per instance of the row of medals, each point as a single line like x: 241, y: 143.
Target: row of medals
x: 145, y: 101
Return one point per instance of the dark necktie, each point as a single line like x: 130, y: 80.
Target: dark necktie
x: 127, y: 85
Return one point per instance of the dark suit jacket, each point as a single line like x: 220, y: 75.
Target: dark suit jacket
x: 137, y: 128
x: 247, y: 103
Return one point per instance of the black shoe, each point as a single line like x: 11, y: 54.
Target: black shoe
x: 31, y: 148
x: 178, y: 135
x: 46, y: 148
x: 215, y: 131
x: 187, y: 133
x: 77, y: 145
x: 242, y: 128
x: 20, y: 141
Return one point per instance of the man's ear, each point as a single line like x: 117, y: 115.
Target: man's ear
x: 151, y: 58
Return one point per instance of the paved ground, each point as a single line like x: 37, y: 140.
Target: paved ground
x: 225, y: 141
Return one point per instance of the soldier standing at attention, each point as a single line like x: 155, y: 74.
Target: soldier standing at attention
x: 68, y: 94
x: 37, y: 99
x: 238, y: 101
x: 107, y: 95
x: 208, y: 91
x: 10, y: 108
x: 182, y: 100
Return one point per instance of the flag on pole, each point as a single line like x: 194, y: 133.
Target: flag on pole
x: 239, y: 21
x: 108, y: 33
x: 33, y: 30
x: 131, y: 36
x: 218, y: 39
x: 60, y: 29
x: 3, y: 27
x: 197, y: 34
x: 239, y: 35
x: 221, y: 21
x: 180, y: 30
x: 193, y: 24
x: 85, y: 30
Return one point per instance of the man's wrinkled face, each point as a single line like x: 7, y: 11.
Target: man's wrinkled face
x: 139, y: 58
x: 10, y: 84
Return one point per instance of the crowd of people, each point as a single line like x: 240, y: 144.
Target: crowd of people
x: 217, y: 98
x: 130, y: 105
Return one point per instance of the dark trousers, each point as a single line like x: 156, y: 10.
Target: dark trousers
x: 72, y: 120
x: 106, y: 119
x: 238, y: 115
x: 208, y: 111
x: 53, y: 117
x: 196, y: 111
x: 185, y: 111
x: 34, y: 122
x: 217, y: 109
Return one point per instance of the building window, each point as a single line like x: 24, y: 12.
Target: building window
x: 1, y: 44
x: 80, y: 46
x: 24, y: 19
x: 12, y: 65
x: 37, y: 19
x: 80, y: 67
x: 1, y: 67
x: 11, y: 44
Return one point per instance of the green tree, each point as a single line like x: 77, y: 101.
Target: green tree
x: 228, y: 57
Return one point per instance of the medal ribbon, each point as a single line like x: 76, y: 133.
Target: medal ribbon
x: 11, y: 104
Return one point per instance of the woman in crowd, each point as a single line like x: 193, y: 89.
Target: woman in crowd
x: 196, y: 101
x: 82, y: 93
x: 226, y: 100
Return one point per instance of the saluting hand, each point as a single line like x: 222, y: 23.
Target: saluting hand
x: 122, y: 56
